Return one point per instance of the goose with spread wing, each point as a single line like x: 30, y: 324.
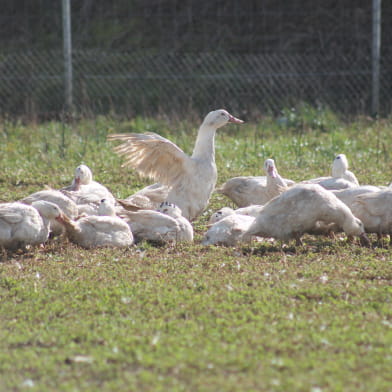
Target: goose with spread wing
x: 191, y: 179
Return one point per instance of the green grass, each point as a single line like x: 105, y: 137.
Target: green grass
x: 188, y: 317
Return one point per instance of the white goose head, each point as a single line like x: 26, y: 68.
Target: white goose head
x: 219, y: 118
x: 270, y: 168
x: 339, y: 165
x: 83, y: 175
x: 106, y: 208
x: 48, y: 210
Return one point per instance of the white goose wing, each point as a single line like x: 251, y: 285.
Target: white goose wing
x: 12, y: 214
x: 375, y: 203
x: 152, y: 156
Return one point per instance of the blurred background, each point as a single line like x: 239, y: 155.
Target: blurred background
x: 139, y: 57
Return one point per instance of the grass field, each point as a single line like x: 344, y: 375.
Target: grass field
x: 187, y: 317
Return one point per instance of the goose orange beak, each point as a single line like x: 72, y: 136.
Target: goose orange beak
x: 235, y: 120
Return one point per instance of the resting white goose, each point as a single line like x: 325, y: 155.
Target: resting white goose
x: 252, y: 210
x: 228, y: 230
x: 66, y: 205
x: 167, y: 224
x: 375, y: 211
x: 106, y: 230
x: 191, y: 179
x: 341, y: 178
x: 148, y: 198
x: 246, y: 191
x: 299, y: 209
x: 84, y: 190
x: 22, y: 224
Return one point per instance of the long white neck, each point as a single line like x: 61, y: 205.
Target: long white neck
x: 205, y: 143
x: 338, y: 171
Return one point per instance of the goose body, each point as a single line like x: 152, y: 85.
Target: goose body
x: 375, y: 211
x: 252, y: 210
x: 246, y: 191
x: 148, y: 198
x: 190, y: 179
x: 84, y: 190
x: 166, y: 224
x: 228, y: 230
x: 299, y: 209
x: 341, y: 178
x: 349, y: 196
x: 105, y: 230
x: 66, y: 205
x: 22, y: 224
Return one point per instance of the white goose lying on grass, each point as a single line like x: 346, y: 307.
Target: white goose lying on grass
x: 228, y: 230
x: 226, y: 211
x: 84, y: 190
x: 67, y: 206
x: 299, y: 209
x: 22, y: 224
x: 166, y: 224
x: 148, y: 198
x: 341, y: 178
x: 99, y: 231
x: 246, y: 191
x: 190, y: 179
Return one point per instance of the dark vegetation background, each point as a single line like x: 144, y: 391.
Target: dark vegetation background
x: 183, y: 54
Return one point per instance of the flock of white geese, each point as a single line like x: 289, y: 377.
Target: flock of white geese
x: 268, y: 206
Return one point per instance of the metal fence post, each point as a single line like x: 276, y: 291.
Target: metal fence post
x: 376, y: 44
x: 67, y: 50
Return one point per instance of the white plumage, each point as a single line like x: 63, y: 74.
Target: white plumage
x: 245, y: 191
x: 341, y: 178
x: 191, y: 179
x: 349, y: 196
x: 148, y: 198
x: 66, y: 205
x: 22, y: 224
x: 299, y: 209
x: 375, y: 211
x: 228, y: 230
x: 252, y: 210
x: 84, y: 190
x: 167, y: 224
x: 95, y: 231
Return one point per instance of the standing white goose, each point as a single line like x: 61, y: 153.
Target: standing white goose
x: 341, y: 178
x: 99, y: 230
x: 299, y: 209
x: 246, y: 191
x: 22, y: 224
x: 191, y: 179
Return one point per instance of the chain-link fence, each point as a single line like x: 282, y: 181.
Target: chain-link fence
x: 32, y: 83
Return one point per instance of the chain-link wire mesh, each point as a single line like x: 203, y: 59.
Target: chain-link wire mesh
x: 139, y: 82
